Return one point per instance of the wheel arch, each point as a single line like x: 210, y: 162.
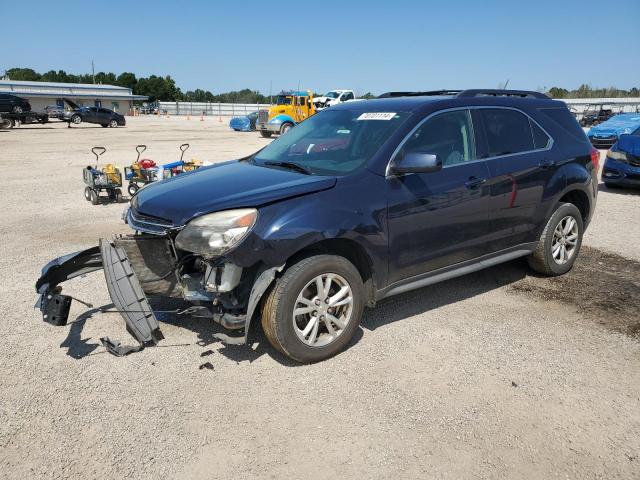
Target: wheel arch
x: 346, y: 248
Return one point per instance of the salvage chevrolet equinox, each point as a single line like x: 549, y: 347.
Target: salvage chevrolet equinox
x: 360, y: 202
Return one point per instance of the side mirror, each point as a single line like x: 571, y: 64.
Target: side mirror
x: 415, y: 162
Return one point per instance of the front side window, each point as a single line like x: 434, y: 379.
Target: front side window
x: 332, y: 95
x: 448, y: 135
x: 332, y: 142
x: 283, y: 100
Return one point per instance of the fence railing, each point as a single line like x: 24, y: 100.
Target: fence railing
x: 213, y: 109
x: 232, y: 109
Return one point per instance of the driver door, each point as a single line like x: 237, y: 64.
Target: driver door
x: 440, y: 218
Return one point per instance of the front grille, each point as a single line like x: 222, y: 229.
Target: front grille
x: 148, y: 224
x: 263, y: 116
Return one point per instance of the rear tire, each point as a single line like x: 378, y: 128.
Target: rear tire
x: 113, y: 124
x: 265, y: 134
x: 95, y: 200
x: 133, y: 188
x: 329, y: 324
x: 118, y: 195
x: 87, y: 193
x: 559, y: 243
x: 77, y: 119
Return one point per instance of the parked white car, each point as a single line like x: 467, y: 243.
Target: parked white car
x: 334, y: 97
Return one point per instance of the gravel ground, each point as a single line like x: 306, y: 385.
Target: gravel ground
x: 493, y: 375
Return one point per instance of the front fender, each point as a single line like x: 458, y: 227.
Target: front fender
x: 280, y: 119
x: 354, y: 210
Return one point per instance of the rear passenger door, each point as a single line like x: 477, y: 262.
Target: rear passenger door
x: 518, y: 156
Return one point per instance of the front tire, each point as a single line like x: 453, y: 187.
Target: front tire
x: 113, y: 123
x: 314, y: 309
x: 285, y: 128
x: 77, y: 119
x: 265, y: 133
x: 133, y: 188
x: 559, y: 243
x: 95, y: 199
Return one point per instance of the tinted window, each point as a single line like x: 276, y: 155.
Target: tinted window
x: 448, y: 135
x: 563, y: 118
x: 540, y: 139
x: 636, y: 133
x: 507, y: 131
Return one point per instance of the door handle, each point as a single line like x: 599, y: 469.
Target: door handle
x: 546, y: 163
x: 474, y: 182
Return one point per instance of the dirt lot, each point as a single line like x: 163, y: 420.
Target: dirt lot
x: 499, y: 374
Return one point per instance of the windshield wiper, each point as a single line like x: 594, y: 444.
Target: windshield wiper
x: 290, y: 166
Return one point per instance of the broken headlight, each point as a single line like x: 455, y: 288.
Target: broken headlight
x: 213, y: 234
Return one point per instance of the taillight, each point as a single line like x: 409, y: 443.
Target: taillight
x: 595, y: 158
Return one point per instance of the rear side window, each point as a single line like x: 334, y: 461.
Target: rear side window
x: 563, y: 118
x: 507, y: 131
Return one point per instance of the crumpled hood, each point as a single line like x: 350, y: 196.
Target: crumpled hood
x: 620, y: 124
x: 223, y: 186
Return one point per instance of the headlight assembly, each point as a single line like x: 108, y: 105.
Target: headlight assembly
x: 617, y: 155
x: 213, y: 234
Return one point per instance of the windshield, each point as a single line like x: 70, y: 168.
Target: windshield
x: 282, y: 100
x: 332, y: 95
x: 333, y: 142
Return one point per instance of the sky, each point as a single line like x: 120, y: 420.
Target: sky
x: 368, y: 46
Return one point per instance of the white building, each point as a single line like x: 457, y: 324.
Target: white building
x: 41, y: 94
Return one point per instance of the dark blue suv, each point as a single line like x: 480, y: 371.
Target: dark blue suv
x: 360, y: 202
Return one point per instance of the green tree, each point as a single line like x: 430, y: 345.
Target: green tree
x: 127, y: 79
x: 26, y: 74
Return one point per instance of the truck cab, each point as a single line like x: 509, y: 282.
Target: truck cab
x: 290, y: 109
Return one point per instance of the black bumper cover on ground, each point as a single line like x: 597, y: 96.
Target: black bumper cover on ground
x: 124, y: 288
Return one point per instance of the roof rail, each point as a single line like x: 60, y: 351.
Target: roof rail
x: 501, y: 93
x: 420, y: 94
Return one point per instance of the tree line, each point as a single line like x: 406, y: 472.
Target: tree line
x: 161, y: 88
x: 156, y: 87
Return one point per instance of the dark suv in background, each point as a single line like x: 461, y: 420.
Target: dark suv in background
x: 12, y: 104
x: 359, y: 202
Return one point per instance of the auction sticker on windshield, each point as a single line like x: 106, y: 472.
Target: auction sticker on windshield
x: 377, y: 116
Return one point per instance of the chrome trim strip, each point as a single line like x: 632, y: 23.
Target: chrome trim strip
x: 477, y: 107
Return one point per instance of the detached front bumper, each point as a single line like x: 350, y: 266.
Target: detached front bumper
x: 124, y: 288
x: 268, y: 127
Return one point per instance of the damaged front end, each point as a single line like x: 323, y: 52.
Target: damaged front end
x: 152, y: 264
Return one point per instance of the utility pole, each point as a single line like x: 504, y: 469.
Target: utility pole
x: 93, y: 72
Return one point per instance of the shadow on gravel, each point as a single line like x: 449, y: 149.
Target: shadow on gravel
x: 76, y: 346
x: 434, y: 296
x: 603, y: 286
x: 619, y: 190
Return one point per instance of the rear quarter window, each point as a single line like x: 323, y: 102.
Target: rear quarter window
x: 563, y: 118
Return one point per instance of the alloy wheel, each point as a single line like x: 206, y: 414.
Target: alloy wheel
x: 565, y: 240
x: 323, y: 310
